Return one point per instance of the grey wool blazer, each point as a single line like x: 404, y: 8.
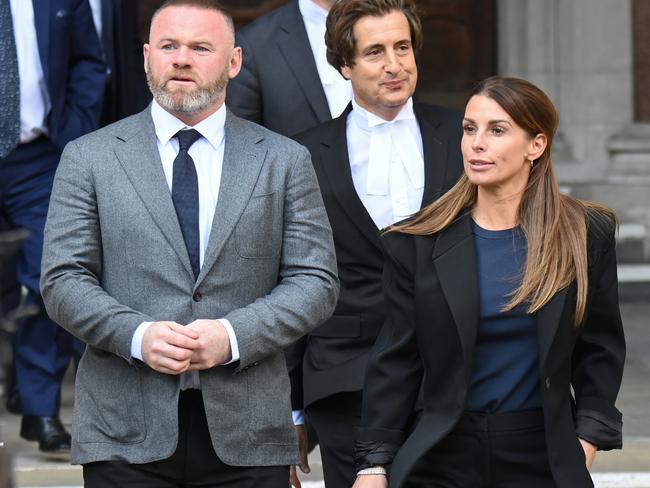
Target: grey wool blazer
x: 114, y: 256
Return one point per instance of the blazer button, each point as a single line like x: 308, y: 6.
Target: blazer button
x: 197, y: 297
x: 547, y: 382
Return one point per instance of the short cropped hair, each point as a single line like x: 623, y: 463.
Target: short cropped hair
x: 339, y: 37
x: 215, y: 5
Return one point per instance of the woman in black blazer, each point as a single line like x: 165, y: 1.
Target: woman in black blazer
x: 503, y: 311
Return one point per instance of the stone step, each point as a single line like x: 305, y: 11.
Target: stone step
x: 627, y: 468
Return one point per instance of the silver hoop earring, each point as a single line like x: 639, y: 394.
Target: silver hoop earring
x: 531, y: 163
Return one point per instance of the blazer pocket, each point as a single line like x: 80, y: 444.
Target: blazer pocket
x: 108, y: 400
x: 339, y: 326
x: 258, y: 233
x: 269, y: 403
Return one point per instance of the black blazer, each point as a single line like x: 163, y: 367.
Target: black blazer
x: 431, y: 292
x: 334, y: 354
x: 278, y: 86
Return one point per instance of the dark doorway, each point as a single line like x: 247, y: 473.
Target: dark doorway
x: 459, y: 42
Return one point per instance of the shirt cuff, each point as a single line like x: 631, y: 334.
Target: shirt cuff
x: 136, y: 340
x: 298, y: 417
x: 234, y: 347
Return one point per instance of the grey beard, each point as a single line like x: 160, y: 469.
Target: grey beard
x: 191, y: 102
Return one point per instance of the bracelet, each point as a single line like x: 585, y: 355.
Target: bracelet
x: 373, y: 470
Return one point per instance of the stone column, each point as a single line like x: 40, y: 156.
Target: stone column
x: 560, y: 45
x: 630, y: 147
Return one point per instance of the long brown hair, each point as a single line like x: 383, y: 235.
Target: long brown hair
x: 554, y: 224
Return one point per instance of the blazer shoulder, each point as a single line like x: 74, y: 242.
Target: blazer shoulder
x: 324, y: 132
x: 122, y: 129
x: 601, y: 230
x: 439, y: 114
x: 265, y: 28
x: 252, y: 132
x: 400, y: 248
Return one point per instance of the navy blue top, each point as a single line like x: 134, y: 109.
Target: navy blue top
x: 505, y: 373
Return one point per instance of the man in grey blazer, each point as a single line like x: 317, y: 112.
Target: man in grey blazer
x: 186, y: 260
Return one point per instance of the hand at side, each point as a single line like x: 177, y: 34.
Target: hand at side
x: 590, y: 452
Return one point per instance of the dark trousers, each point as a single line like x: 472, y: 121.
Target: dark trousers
x: 42, y: 349
x: 193, y: 464
x: 488, y: 451
x: 334, y: 419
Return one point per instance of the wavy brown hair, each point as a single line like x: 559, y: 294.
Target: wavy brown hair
x: 344, y: 14
x: 554, y: 224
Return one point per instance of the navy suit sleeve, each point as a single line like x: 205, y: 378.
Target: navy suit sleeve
x: 77, y: 102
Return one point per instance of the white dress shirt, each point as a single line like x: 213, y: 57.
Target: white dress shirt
x: 387, y: 163
x: 338, y: 90
x: 96, y: 9
x: 34, y: 98
x: 207, y: 154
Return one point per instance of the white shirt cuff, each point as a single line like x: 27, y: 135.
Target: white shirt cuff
x: 234, y: 347
x: 136, y: 340
x: 298, y: 417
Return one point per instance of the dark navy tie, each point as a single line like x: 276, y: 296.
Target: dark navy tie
x: 185, y: 195
x: 9, y: 83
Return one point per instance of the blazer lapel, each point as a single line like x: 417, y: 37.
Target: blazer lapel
x: 242, y: 162
x: 454, y: 257
x: 140, y: 158
x: 336, y: 164
x: 435, y: 157
x: 296, y: 50
x: 548, y: 320
x: 42, y: 24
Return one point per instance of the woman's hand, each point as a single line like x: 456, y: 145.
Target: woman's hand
x: 371, y: 481
x: 590, y: 452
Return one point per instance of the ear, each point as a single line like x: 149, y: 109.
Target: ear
x: 235, y: 62
x: 145, y: 54
x: 537, y: 146
x: 346, y: 71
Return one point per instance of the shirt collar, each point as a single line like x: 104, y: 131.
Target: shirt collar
x: 311, y: 12
x: 367, y: 120
x: 166, y: 125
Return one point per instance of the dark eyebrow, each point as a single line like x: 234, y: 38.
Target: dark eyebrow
x: 500, y: 121
x: 372, y: 46
x: 491, y: 122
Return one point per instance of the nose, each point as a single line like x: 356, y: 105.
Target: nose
x: 183, y: 57
x: 392, y: 62
x: 478, y: 142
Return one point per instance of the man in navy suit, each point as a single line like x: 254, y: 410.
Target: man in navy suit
x: 52, y: 87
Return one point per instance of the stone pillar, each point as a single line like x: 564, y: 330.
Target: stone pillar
x: 630, y: 147
x: 641, y: 39
x: 559, y: 45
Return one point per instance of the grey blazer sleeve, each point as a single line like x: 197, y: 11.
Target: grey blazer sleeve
x: 307, y: 288
x: 72, y: 263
